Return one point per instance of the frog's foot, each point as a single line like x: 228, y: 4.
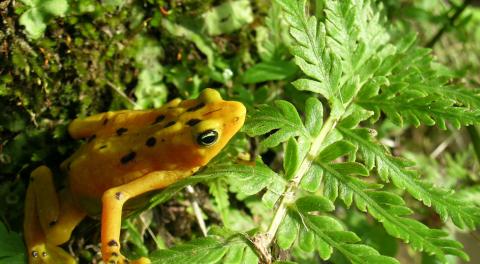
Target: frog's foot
x: 116, y: 258
x: 49, y: 254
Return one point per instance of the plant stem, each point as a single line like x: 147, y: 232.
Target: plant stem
x: 451, y: 21
x: 289, y: 194
x: 475, y: 137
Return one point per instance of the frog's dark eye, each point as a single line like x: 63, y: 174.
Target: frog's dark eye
x: 207, y: 138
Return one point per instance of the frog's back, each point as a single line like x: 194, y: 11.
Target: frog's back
x: 126, y: 145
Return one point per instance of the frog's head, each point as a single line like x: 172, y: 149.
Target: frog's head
x: 201, y: 129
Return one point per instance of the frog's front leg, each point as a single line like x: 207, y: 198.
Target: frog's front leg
x: 113, y: 201
x: 48, y: 219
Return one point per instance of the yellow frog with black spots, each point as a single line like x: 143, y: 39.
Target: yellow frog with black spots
x: 126, y: 155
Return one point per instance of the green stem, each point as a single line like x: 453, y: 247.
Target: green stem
x: 475, y: 137
x: 450, y: 22
x: 289, y: 194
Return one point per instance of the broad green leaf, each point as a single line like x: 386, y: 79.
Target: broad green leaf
x: 314, y: 203
x: 313, y: 116
x: 247, y: 179
x: 312, y: 179
x: 249, y: 256
x: 33, y: 22
x: 287, y: 232
x: 283, y: 119
x: 335, y: 150
x: 292, y: 159
x: 38, y: 14
x: 274, y: 191
x: 228, y: 17
x: 350, y: 168
x: 306, y: 240
x: 235, y: 254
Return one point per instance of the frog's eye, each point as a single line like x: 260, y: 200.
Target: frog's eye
x: 207, y: 138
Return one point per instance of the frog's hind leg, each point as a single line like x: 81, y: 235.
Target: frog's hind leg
x: 112, y: 204
x: 48, y: 222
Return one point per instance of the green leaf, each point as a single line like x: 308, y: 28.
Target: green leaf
x: 389, y: 209
x: 219, y: 190
x: 12, y: 249
x: 235, y: 254
x: 350, y: 168
x: 287, y: 232
x: 228, y: 17
x: 312, y: 179
x: 38, y: 14
x: 274, y: 192
x: 292, y: 159
x: 269, y: 71
x: 314, y: 203
x: 283, y: 118
x: 203, y: 251
x: 397, y: 170
x: 33, y: 22
x: 245, y: 179
x: 310, y: 51
x: 336, y: 150
x: 416, y: 94
x: 327, y: 233
x: 313, y: 116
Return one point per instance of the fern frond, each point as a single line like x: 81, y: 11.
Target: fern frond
x: 414, y: 107
x: 311, y: 54
x: 389, y: 209
x: 323, y: 233
x: 355, y: 34
x: 395, y: 169
x: 412, y: 92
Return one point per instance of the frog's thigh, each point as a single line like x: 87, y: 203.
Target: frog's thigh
x: 46, y: 199
x: 56, y: 219
x: 113, y: 200
x: 39, y: 251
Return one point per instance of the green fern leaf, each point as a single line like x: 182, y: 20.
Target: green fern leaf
x: 311, y: 54
x: 324, y: 233
x: 283, y: 118
x: 355, y: 34
x: 389, y: 209
x: 414, y: 93
x: 205, y: 251
x: 391, y: 168
x: 247, y: 180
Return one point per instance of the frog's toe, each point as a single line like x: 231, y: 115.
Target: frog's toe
x: 49, y: 254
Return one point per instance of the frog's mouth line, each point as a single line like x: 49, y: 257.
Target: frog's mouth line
x: 213, y: 111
